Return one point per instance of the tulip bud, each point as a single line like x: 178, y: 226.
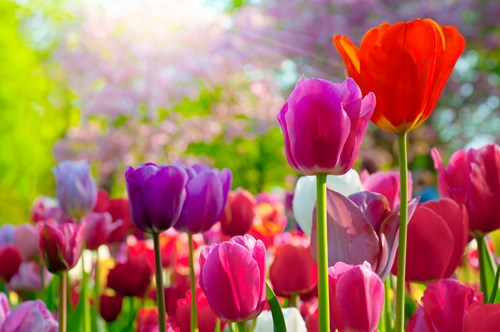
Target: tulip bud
x: 76, y: 189
x: 239, y: 213
x: 110, y: 307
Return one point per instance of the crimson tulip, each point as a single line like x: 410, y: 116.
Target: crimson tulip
x: 239, y: 213
x: 206, y: 318
x: 110, y: 307
x: 11, y: 261
x: 482, y: 318
x: 131, y: 278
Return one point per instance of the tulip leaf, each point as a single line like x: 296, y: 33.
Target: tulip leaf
x: 494, y: 290
x: 276, y: 312
x: 487, y: 267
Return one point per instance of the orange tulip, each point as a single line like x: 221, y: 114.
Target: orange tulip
x: 406, y: 65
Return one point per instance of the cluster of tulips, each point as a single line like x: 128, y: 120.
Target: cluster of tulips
x: 212, y: 250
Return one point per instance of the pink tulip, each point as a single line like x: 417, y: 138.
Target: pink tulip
x: 30, y: 316
x: 61, y: 244
x: 100, y: 227
x: 387, y: 184
x: 472, y: 178
x: 437, y: 235
x: 482, y: 318
x: 361, y: 228
x: 444, y: 305
x: 233, y: 278
x: 29, y: 278
x: 26, y: 240
x: 356, y: 297
x: 239, y: 213
x: 323, y: 124
x: 4, y: 308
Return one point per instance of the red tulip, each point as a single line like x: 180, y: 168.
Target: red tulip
x: 99, y: 229
x: 239, y: 213
x: 102, y: 202
x: 206, y: 317
x: 482, y: 318
x: 110, y: 307
x: 11, y: 261
x: 472, y: 178
x: 437, y: 235
x: 131, y: 278
x: 356, y: 297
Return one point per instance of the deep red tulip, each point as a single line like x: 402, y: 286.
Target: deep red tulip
x: 482, y: 318
x: 286, y: 280
x: 437, y: 235
x: 11, y: 260
x: 239, y: 213
x: 61, y: 244
x: 110, y: 307
x: 131, y: 278
x: 233, y: 278
x: 102, y: 203
x: 444, y: 305
x: 206, y: 317
x: 472, y: 178
x: 356, y: 297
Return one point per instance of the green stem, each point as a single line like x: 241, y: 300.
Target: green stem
x: 160, y: 295
x: 217, y: 325
x: 192, y: 281
x: 403, y: 219
x: 242, y: 326
x: 294, y: 300
x: 323, y: 303
x: 387, y: 306
x: 482, y: 266
x: 97, y: 292
x: 63, y: 301
x: 85, y: 294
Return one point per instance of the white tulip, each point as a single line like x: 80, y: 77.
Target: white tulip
x: 304, y: 198
x: 293, y: 321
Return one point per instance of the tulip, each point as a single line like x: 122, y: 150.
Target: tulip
x: 233, y: 278
x: 99, y: 229
x: 293, y: 321
x: 61, y: 244
x: 76, y: 189
x: 323, y: 124
x: 206, y: 318
x: 239, y: 213
x: 472, y: 178
x: 11, y: 261
x: 102, y: 203
x: 4, y: 308
x: 26, y: 240
x: 29, y: 278
x: 444, y: 304
x: 110, y: 307
x: 406, y: 65
x: 387, y: 184
x: 206, y: 195
x: 156, y: 195
x: 482, y: 318
x: 286, y: 281
x: 356, y: 297
x: 30, y: 316
x: 45, y: 208
x: 7, y: 234
x: 361, y: 228
x: 131, y: 278
x: 119, y: 209
x: 304, y: 197
x: 437, y: 235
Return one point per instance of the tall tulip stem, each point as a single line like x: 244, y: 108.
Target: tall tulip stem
x: 323, y: 302
x: 403, y: 223
x: 242, y: 326
x: 63, y: 296
x: 192, y: 281
x: 160, y: 295
x: 482, y: 265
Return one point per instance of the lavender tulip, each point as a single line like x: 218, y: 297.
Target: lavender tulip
x: 323, y: 124
x: 206, y: 196
x: 76, y: 189
x: 7, y: 234
x: 356, y: 297
x: 156, y: 194
x: 361, y: 228
x: 30, y: 316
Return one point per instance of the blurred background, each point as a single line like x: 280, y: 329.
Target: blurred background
x: 121, y: 82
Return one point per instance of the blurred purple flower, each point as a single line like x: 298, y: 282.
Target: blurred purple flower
x: 4, y: 308
x: 26, y: 240
x: 29, y: 278
x: 30, y: 316
x: 7, y: 234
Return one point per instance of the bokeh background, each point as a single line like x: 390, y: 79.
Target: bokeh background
x: 120, y: 82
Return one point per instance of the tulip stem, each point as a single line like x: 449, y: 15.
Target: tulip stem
x: 160, y: 295
x: 482, y: 266
x: 192, y: 281
x: 217, y: 325
x: 294, y: 300
x: 63, y: 297
x: 242, y: 326
x: 97, y: 292
x: 323, y: 302
x: 403, y: 223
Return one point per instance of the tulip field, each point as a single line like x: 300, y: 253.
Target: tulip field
x: 249, y: 166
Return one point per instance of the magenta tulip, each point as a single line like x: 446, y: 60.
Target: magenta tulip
x: 387, y: 184
x: 239, y: 213
x: 482, y: 318
x: 100, y: 227
x: 437, y: 235
x: 361, y: 228
x: 356, y: 297
x: 443, y: 307
x: 4, y: 308
x: 30, y: 316
x: 323, y: 124
x: 233, y: 278
x: 61, y: 244
x: 472, y: 178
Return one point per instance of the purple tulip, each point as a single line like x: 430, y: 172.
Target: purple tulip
x: 30, y: 316
x: 4, y: 308
x: 99, y: 228
x: 323, y: 124
x: 233, y: 278
x: 29, y: 278
x: 61, y: 244
x: 361, y: 228
x: 206, y: 196
x: 156, y: 195
x: 356, y: 297
x: 26, y: 240
x: 7, y: 234
x: 76, y: 189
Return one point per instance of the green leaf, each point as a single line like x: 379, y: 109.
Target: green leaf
x: 494, y: 291
x: 276, y: 312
